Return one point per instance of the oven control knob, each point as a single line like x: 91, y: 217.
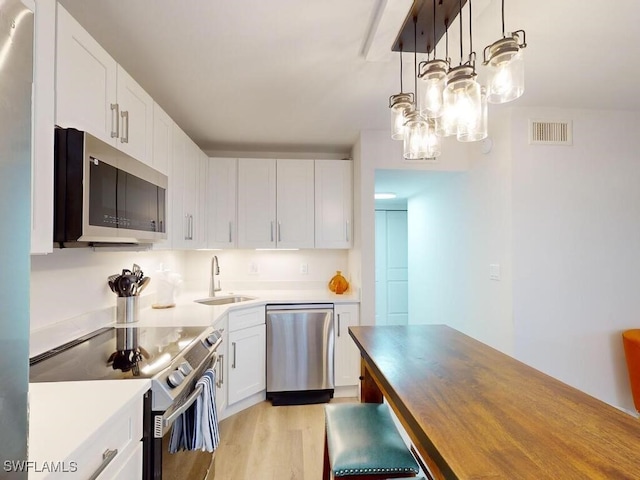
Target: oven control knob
x: 185, y: 368
x: 175, y: 378
x: 213, y: 338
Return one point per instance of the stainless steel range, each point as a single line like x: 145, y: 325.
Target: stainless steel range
x: 172, y: 358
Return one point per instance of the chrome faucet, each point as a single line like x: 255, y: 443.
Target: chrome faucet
x: 215, y: 271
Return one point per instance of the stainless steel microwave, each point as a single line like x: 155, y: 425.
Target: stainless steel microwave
x: 102, y: 195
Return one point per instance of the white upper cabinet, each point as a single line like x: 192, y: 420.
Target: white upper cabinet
x: 186, y: 184
x: 42, y: 128
x: 162, y: 140
x: 294, y: 204
x: 221, y: 204
x: 136, y: 118
x: 256, y: 203
x: 85, y: 81
x: 275, y: 203
x: 94, y: 94
x: 333, y: 204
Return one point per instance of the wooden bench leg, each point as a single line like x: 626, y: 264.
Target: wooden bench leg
x: 326, y: 469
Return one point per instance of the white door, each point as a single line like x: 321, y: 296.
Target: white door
x: 221, y: 202
x: 295, y: 204
x: 333, y: 204
x: 162, y: 140
x: 247, y: 362
x: 85, y: 81
x: 256, y: 203
x: 392, y: 307
x: 347, y: 355
x: 136, y: 118
x: 179, y: 222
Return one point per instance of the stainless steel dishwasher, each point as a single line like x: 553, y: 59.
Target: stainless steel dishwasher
x: 300, y: 345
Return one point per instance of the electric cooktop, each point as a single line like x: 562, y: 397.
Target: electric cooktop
x: 113, y: 353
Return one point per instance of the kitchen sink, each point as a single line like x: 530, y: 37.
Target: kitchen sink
x: 225, y: 300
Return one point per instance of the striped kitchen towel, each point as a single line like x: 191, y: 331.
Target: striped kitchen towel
x: 207, y: 434
x: 197, y: 428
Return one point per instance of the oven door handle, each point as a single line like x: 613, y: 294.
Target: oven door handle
x: 166, y: 422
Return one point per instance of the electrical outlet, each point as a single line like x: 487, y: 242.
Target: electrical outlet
x: 253, y: 268
x: 304, y: 268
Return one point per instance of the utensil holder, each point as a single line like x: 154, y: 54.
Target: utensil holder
x: 127, y: 309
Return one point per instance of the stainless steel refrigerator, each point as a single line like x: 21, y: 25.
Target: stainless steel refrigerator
x: 300, y: 350
x: 16, y: 79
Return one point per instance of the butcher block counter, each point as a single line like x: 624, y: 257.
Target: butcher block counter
x: 475, y: 413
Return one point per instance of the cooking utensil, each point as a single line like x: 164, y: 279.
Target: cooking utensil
x: 143, y: 284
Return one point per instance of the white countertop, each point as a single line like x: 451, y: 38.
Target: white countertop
x: 188, y: 312
x: 63, y: 415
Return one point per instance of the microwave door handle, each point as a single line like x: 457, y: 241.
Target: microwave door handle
x: 115, y: 108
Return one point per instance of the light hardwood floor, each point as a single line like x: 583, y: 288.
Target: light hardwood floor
x: 272, y: 443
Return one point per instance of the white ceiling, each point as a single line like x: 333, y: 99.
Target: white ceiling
x: 291, y: 75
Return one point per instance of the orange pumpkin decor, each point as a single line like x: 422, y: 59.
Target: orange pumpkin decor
x: 338, y: 284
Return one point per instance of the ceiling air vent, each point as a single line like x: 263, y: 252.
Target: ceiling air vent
x: 550, y: 133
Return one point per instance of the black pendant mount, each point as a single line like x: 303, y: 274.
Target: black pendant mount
x: 446, y: 10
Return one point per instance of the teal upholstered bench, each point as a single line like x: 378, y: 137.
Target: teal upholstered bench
x: 362, y: 443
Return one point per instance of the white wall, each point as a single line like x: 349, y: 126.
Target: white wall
x: 73, y: 281
x: 375, y: 150
x: 458, y: 226
x: 576, y: 237
x: 276, y: 269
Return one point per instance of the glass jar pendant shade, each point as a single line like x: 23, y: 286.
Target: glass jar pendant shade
x: 433, y: 77
x: 399, y: 104
x: 505, y: 68
x: 415, y: 148
x: 474, y: 127
x: 463, y: 102
x: 420, y: 139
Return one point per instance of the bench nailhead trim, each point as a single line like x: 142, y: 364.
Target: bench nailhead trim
x: 360, y: 471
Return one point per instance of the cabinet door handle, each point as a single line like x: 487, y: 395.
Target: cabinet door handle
x: 347, y: 230
x: 125, y: 121
x: 107, y: 457
x: 230, y: 227
x: 115, y: 133
x: 272, y: 230
x: 221, y: 374
x: 186, y: 226
x: 338, y: 315
x: 279, y: 235
x: 190, y: 227
x: 233, y: 362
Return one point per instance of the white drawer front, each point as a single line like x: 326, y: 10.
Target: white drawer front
x: 122, y: 432
x: 124, y: 466
x: 245, y: 318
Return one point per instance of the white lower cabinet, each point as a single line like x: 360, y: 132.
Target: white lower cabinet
x: 113, y: 447
x: 247, y: 353
x: 347, y: 355
x: 125, y: 466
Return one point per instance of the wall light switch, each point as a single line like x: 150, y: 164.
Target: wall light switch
x: 494, y: 271
x: 253, y: 268
x: 304, y: 268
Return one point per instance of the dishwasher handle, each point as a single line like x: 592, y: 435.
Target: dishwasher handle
x: 299, y: 306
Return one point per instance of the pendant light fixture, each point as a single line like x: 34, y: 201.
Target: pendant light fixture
x: 472, y: 126
x: 433, y: 74
x: 505, y: 66
x: 462, y: 96
x: 420, y: 141
x: 400, y: 104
